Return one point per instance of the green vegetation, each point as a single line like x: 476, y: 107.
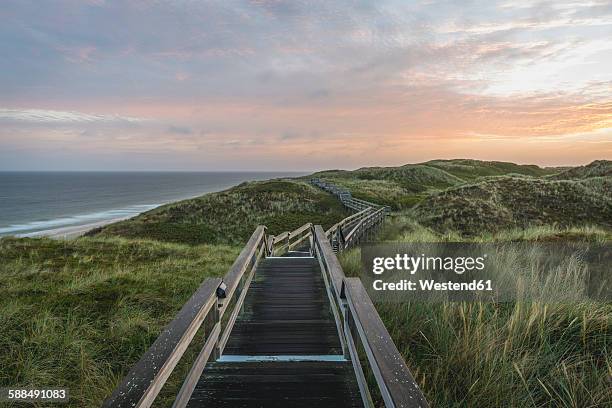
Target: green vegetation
x: 471, y: 197
x: 404, y: 186
x: 398, y: 187
x: 501, y: 354
x: 80, y: 313
x: 231, y: 216
x: 467, y: 169
x: 511, y: 354
x: 598, y: 168
x: 518, y: 202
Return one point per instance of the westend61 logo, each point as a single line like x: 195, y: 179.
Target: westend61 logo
x: 412, y: 264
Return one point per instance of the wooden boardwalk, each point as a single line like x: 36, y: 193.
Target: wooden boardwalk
x: 286, y: 312
x: 283, y: 328
x: 286, y: 317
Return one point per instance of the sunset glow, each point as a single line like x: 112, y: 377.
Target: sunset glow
x: 301, y: 85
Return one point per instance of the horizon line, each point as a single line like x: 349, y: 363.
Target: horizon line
x: 279, y: 170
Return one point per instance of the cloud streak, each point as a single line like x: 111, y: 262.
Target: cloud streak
x: 41, y: 116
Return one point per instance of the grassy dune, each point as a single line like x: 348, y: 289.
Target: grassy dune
x: 404, y: 186
x: 231, y: 216
x: 514, y: 354
x: 79, y: 313
x: 518, y: 202
x: 598, y: 168
x: 467, y: 169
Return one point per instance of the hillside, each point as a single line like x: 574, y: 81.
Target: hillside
x: 598, y: 168
x: 518, y: 202
x: 468, y: 169
x: 231, y: 216
x: 403, y: 186
x: 411, y: 177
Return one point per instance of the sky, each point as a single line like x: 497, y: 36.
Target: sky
x: 302, y: 85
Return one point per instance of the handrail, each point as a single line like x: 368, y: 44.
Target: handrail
x: 331, y: 263
x: 285, y: 239
x: 232, y: 277
x: 397, y: 385
x: 393, y: 378
x: 365, y: 223
x: 146, y: 378
x: 365, y: 202
x: 345, y: 221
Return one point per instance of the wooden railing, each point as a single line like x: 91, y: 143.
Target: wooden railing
x: 213, y: 299
x: 287, y: 241
x: 362, y: 326
x: 217, y: 302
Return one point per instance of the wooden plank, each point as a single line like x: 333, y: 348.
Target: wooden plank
x: 286, y: 312
x: 245, y: 259
x: 281, y: 237
x: 397, y: 386
x: 277, y: 384
x: 301, y: 229
x: 196, y: 370
x: 330, y: 261
x: 146, y: 378
x: 236, y: 311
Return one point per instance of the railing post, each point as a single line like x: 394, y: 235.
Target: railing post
x: 216, y: 354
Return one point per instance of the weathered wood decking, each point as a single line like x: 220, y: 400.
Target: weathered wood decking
x: 286, y: 312
x: 286, y: 316
x: 278, y: 384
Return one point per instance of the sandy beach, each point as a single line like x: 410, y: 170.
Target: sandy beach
x: 70, y: 232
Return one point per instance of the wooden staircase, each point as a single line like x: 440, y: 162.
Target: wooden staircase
x: 283, y: 328
x: 284, y: 349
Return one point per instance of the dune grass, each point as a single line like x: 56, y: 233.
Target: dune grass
x: 80, y: 313
x: 469, y: 169
x: 512, y: 354
x: 231, y: 216
x: 403, y: 187
x: 598, y: 168
x: 510, y: 202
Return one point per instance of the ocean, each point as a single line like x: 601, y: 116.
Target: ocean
x: 44, y: 203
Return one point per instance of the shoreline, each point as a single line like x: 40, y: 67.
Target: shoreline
x: 71, y: 231
x: 78, y: 230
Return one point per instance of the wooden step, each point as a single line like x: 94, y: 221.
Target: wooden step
x: 277, y: 384
x: 286, y: 312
